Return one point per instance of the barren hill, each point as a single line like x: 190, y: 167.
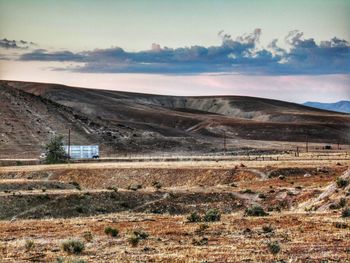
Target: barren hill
x: 131, y: 122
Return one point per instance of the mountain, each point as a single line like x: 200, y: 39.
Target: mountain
x: 340, y: 106
x: 125, y: 122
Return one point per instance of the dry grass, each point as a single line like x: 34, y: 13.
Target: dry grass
x: 303, y: 236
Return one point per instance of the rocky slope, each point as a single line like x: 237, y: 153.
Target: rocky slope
x: 127, y: 122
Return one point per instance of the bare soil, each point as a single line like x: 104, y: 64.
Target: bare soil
x: 48, y: 204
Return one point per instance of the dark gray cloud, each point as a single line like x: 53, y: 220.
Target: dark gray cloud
x: 242, y: 55
x: 44, y: 55
x: 15, y: 44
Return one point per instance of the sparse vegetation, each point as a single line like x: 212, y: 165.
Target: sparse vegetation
x: 171, y: 236
x: 133, y: 240
x: 255, y: 211
x: 113, y: 232
x: 201, y: 228
x: 200, y: 242
x: 157, y: 185
x: 194, y: 217
x: 73, y: 246
x: 346, y: 212
x: 112, y: 188
x: 274, y: 247
x: 247, y: 191
x: 29, y: 245
x: 267, y: 229
x: 262, y: 196
x: 212, y: 215
x: 140, y: 234
x: 87, y: 235
x: 342, y: 202
x: 342, y: 183
x: 76, y: 260
x: 76, y: 185
x: 341, y: 225
x: 134, y: 187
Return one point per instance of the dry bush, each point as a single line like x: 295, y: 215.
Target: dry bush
x: 29, y: 245
x: 274, y: 247
x: 346, y: 212
x: 73, y: 246
x: 194, y: 217
x: 212, y: 215
x: 255, y: 211
x: 113, y: 232
x: 87, y: 235
x: 342, y: 183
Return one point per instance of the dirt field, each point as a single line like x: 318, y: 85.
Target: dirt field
x: 43, y: 206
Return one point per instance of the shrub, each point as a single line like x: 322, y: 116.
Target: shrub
x: 201, y: 228
x: 267, y: 229
x: 157, y: 185
x: 212, y: 215
x: 200, y: 242
x: 194, y: 217
x: 76, y: 185
x: 77, y: 261
x: 340, y: 225
x: 342, y: 183
x: 133, y: 240
x: 333, y: 206
x: 141, y: 234
x: 274, y: 247
x: 262, y: 196
x: 59, y: 260
x: 346, y: 212
x: 73, y: 246
x: 87, y: 235
x: 112, y: 188
x: 342, y: 202
x: 79, y: 209
x: 255, y: 211
x: 29, y: 245
x: 247, y: 191
x: 113, y: 232
x: 134, y: 187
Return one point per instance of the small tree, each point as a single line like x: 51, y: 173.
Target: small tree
x: 55, y: 152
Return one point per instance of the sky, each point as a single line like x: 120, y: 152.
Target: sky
x: 290, y: 50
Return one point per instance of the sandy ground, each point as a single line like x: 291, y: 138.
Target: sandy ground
x: 302, y: 238
x: 305, y: 228
x: 306, y: 160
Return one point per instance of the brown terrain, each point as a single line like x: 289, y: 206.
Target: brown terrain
x: 124, y: 123
x: 305, y: 199
x: 45, y: 205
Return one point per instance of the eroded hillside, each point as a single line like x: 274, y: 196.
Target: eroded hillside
x: 123, y: 122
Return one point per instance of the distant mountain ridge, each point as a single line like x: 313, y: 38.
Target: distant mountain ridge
x: 340, y: 106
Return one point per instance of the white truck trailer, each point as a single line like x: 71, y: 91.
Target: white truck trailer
x: 82, y: 151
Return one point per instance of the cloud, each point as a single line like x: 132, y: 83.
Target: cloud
x: 307, y: 57
x: 15, y: 44
x: 240, y: 55
x: 44, y: 55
